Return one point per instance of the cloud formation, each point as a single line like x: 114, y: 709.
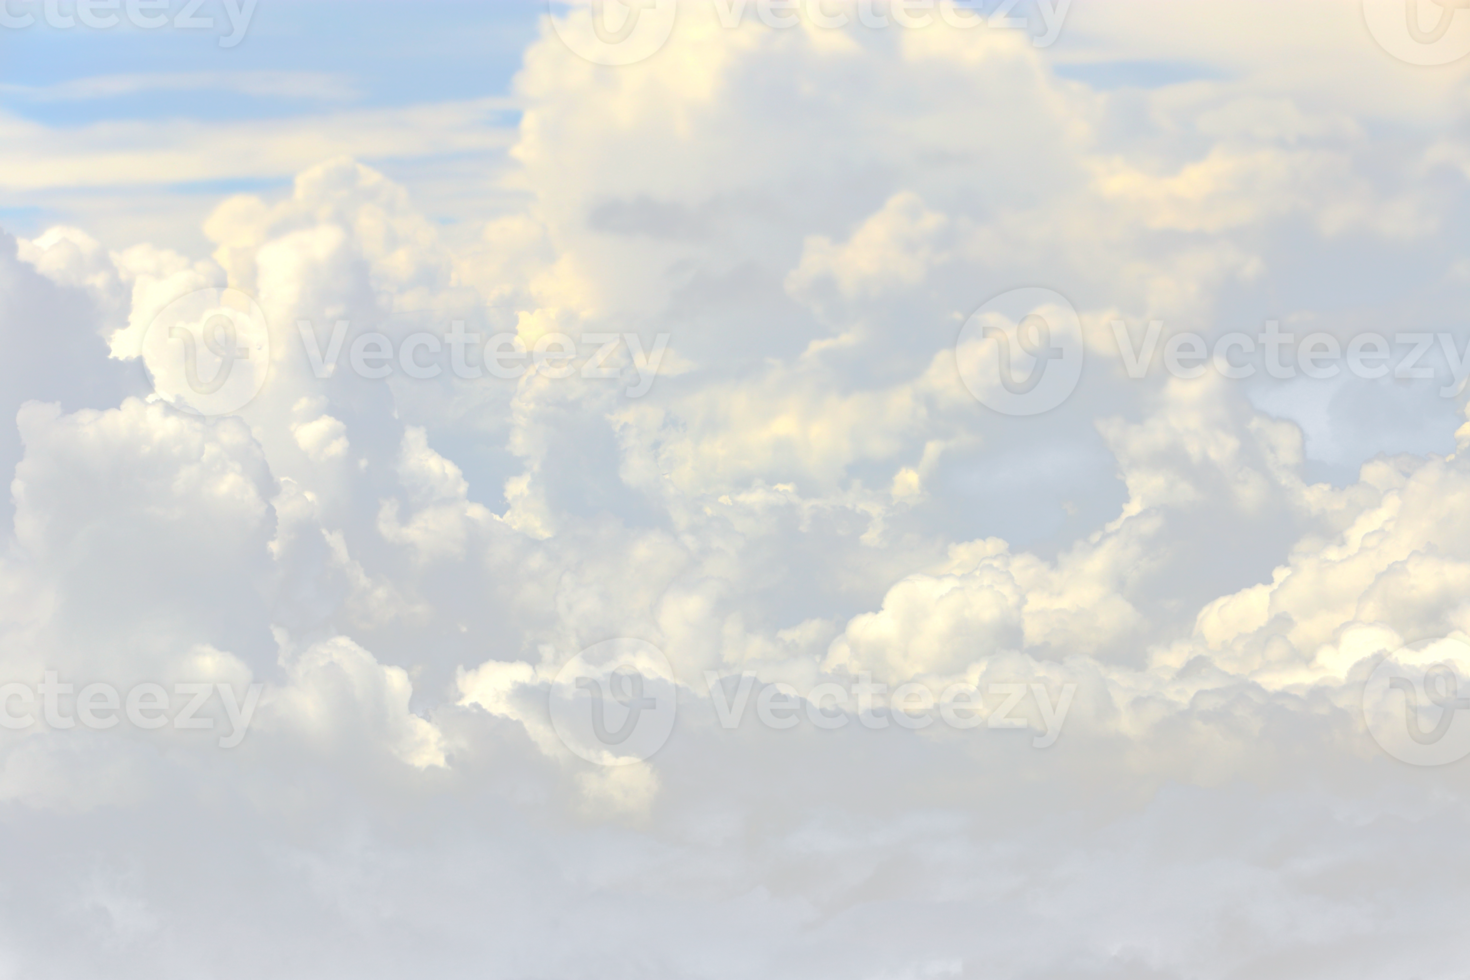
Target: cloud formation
x: 807, y: 493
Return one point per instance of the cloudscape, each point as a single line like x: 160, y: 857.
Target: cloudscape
x: 863, y: 489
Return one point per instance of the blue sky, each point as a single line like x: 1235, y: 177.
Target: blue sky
x: 423, y: 92
x: 390, y: 54
x: 298, y: 59
x: 178, y: 98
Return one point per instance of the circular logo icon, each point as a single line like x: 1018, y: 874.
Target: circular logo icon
x: 1417, y: 703
x: 208, y: 352
x: 614, y: 703
x: 615, y: 32
x: 1022, y: 352
x: 1420, y: 32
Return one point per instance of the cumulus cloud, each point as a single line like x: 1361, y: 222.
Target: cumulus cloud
x: 1167, y: 594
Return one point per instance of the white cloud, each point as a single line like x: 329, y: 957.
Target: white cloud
x: 272, y: 84
x: 808, y: 493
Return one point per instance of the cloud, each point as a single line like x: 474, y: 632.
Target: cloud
x: 320, y: 86
x: 807, y: 495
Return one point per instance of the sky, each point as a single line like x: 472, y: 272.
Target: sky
x: 719, y: 492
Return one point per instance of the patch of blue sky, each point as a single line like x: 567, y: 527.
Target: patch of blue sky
x: 1111, y: 75
x: 148, y: 105
x: 238, y: 185
x: 296, y: 58
x: 25, y: 220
